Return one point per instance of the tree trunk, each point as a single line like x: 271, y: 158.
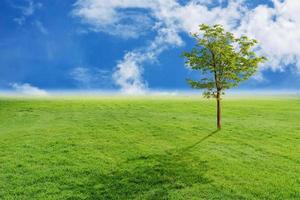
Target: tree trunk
x: 219, y: 111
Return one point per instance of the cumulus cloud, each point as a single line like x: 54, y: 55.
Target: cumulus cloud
x: 278, y: 30
x: 275, y: 27
x: 27, y: 89
x: 128, y: 73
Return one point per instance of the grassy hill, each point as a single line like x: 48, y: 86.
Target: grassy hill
x: 149, y: 148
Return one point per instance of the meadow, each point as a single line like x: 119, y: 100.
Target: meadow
x: 149, y: 148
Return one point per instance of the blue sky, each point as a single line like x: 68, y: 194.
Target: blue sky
x: 134, y: 45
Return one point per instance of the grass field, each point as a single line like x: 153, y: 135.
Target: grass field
x: 149, y: 148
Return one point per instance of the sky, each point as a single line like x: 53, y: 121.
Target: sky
x: 135, y: 45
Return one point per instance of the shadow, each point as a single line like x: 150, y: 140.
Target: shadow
x: 200, y: 141
x: 150, y: 176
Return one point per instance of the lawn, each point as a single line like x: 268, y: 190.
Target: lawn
x: 149, y: 148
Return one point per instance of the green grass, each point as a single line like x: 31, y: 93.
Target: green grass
x: 148, y: 148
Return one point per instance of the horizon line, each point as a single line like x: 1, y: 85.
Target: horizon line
x: 98, y: 92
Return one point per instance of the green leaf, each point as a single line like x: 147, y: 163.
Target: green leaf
x: 222, y: 59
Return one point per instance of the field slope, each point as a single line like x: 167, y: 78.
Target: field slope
x: 148, y: 148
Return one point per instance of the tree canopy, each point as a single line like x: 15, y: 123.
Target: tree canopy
x: 223, y: 60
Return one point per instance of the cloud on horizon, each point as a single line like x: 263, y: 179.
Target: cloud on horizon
x: 28, y: 89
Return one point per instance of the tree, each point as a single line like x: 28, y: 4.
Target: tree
x: 223, y: 61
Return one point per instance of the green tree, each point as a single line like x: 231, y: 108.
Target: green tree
x: 223, y: 61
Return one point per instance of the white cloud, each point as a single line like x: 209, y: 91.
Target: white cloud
x: 20, y: 20
x: 258, y: 77
x: 31, y: 8
x: 40, y: 26
x: 91, y: 77
x: 82, y: 75
x: 104, y: 15
x: 128, y: 74
x: 277, y: 28
x: 27, y: 89
x: 113, y: 18
x: 27, y: 10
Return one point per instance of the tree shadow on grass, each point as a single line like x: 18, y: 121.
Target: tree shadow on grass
x: 199, y: 142
x: 151, y: 176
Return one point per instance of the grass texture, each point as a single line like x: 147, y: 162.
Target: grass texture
x: 149, y: 148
